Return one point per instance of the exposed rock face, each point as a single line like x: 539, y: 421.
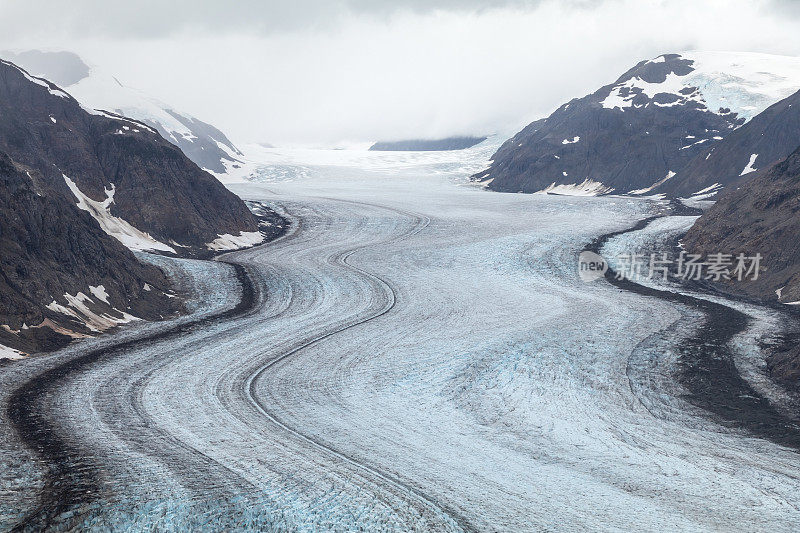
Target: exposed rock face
x: 635, y: 134
x: 137, y: 180
x: 54, y: 257
x: 77, y: 190
x: 204, y: 144
x: 769, y: 137
x: 423, y: 145
x: 761, y: 216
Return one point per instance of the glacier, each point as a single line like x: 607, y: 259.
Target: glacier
x: 420, y: 354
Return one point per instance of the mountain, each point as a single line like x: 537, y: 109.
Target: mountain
x: 769, y: 137
x: 61, y: 276
x: 428, y: 145
x: 762, y: 215
x: 140, y: 188
x: 204, y: 144
x: 636, y: 134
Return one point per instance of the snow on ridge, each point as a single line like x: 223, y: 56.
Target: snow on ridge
x: 744, y: 82
x: 39, y: 81
x: 232, y: 154
x: 233, y: 242
x: 671, y: 85
x: 588, y: 187
x: 116, y: 116
x: 101, y: 91
x: 750, y: 168
x: 118, y: 228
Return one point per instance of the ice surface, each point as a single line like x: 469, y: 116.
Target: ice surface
x: 289, y: 164
x: 422, y: 355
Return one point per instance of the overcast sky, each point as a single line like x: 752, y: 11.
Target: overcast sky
x: 322, y: 71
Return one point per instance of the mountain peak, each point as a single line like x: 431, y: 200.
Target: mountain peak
x: 204, y: 144
x: 635, y: 133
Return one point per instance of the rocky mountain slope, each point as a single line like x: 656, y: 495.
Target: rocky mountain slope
x: 79, y: 190
x: 762, y: 215
x: 139, y: 187
x: 61, y: 276
x: 769, y: 137
x: 204, y: 144
x: 636, y: 134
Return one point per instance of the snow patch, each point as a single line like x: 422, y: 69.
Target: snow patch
x: 233, y: 242
x: 701, y: 141
x: 40, y: 81
x: 99, y: 292
x: 573, y: 141
x: 663, y: 180
x: 10, y: 353
x: 116, y: 227
x: 706, y: 193
x: 750, y: 168
x: 53, y: 119
x: 588, y: 187
x: 708, y: 189
x: 76, y: 308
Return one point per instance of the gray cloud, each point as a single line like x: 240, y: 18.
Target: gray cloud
x: 150, y: 19
x: 322, y: 71
x: 159, y: 18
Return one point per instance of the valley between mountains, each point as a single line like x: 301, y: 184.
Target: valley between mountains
x: 195, y: 337
x: 413, y: 354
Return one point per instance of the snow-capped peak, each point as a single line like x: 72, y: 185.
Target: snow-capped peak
x: 744, y: 83
x: 100, y: 92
